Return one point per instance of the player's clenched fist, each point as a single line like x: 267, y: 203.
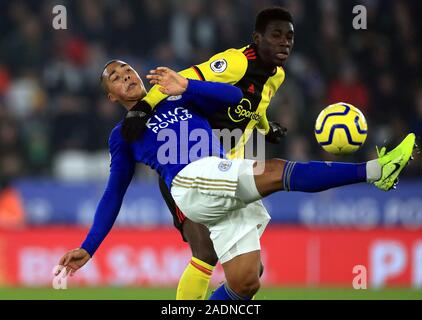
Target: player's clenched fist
x: 72, y: 261
x: 170, y: 82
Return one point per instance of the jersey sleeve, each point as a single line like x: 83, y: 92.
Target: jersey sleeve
x: 209, y: 96
x: 121, y: 158
x: 121, y: 172
x: 227, y: 67
x: 263, y: 124
x: 275, y: 82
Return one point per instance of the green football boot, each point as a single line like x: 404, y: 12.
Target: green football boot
x: 393, y: 162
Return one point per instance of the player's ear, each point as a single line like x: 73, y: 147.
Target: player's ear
x: 256, y: 37
x: 111, y: 97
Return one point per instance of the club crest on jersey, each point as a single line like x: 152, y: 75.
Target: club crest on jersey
x: 218, y: 66
x: 174, y: 98
x: 224, y: 165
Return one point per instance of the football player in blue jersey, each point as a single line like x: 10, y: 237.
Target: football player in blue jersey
x: 219, y: 193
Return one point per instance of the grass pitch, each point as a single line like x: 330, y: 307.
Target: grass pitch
x: 146, y: 293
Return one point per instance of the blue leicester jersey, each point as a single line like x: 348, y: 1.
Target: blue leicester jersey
x: 177, y: 134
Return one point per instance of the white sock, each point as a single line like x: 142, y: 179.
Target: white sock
x: 373, y: 171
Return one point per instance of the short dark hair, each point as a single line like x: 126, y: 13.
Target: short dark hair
x: 270, y: 14
x: 103, y: 85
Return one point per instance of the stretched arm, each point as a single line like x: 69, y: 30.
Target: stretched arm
x: 107, y: 210
x: 209, y: 97
x: 226, y: 67
x: 202, y: 93
x: 105, y: 215
x: 232, y: 67
x: 122, y: 168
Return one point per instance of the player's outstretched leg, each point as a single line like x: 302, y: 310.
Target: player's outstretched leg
x: 315, y: 176
x: 393, y: 162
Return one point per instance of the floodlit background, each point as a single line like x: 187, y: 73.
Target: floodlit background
x: 55, y: 122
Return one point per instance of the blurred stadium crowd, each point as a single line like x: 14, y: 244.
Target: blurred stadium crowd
x: 52, y: 109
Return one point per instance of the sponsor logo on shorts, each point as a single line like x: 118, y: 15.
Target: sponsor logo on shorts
x: 224, y: 165
x: 218, y: 66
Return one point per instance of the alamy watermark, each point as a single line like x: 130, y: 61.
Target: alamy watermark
x: 59, y: 17
x: 185, y: 145
x: 180, y: 143
x: 360, y: 20
x: 360, y: 280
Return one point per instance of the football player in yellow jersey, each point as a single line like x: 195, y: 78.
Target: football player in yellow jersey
x: 257, y: 69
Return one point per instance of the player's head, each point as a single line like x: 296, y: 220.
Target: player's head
x: 274, y: 35
x: 121, y: 82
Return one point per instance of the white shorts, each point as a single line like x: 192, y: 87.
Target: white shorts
x: 249, y: 242
x: 211, y: 191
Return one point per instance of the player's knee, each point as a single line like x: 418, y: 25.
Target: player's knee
x: 251, y: 287
x: 246, y: 286
x: 245, y: 282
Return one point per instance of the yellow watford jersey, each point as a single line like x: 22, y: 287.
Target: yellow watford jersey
x: 244, y: 69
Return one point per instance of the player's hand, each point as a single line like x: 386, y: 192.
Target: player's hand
x: 169, y: 81
x: 276, y: 132
x: 72, y: 261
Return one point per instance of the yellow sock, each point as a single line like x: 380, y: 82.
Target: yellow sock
x: 193, y: 285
